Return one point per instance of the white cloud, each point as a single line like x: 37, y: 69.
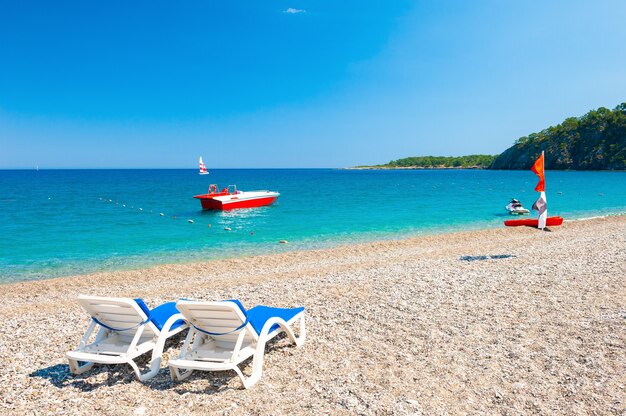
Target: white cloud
x: 291, y: 10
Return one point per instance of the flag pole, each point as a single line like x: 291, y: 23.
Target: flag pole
x: 544, y: 215
x: 541, y: 205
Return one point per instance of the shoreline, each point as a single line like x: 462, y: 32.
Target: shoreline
x: 491, y: 321
x: 186, y: 263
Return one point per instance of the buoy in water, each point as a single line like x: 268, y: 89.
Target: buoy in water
x: 227, y: 228
x: 283, y: 241
x: 190, y: 221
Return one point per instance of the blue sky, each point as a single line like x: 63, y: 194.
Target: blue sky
x: 314, y: 83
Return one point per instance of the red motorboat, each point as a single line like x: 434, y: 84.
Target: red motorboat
x: 550, y: 222
x: 231, y: 198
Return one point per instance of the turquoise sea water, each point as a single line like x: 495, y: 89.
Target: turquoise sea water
x: 55, y: 223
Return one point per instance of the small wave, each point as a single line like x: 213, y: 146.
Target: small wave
x: 595, y: 217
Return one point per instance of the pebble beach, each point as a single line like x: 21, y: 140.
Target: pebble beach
x: 499, y: 321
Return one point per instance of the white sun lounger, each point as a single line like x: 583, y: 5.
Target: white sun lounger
x: 223, y: 334
x: 128, y: 329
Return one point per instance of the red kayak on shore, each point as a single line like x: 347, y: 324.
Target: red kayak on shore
x: 550, y: 222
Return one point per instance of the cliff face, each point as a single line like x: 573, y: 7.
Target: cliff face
x: 595, y: 141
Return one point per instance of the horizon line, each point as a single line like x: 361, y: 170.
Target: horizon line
x: 157, y: 168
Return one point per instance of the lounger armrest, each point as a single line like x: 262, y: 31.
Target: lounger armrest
x: 286, y: 327
x: 270, y: 323
x: 172, y: 320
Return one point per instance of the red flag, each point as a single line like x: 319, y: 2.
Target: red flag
x: 538, y: 169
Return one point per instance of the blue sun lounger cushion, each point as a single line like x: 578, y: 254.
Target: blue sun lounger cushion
x: 258, y: 315
x: 160, y: 314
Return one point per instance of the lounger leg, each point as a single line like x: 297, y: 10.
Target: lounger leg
x: 155, y: 366
x: 79, y: 369
x: 157, y: 351
x: 75, y: 368
x: 257, y: 365
x: 192, y: 340
x: 300, y: 340
x: 177, y: 375
x: 135, y: 367
x: 246, y: 381
x: 259, y: 354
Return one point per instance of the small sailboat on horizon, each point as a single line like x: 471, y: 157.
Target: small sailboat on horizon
x: 203, y: 169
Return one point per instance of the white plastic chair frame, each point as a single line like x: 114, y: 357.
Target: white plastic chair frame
x: 121, y: 347
x: 206, y: 352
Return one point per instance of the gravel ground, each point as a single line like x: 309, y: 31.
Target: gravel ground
x: 503, y: 321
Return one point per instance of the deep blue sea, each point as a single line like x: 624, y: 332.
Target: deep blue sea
x: 63, y: 222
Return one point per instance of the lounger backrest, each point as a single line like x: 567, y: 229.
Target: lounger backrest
x: 118, y: 313
x: 218, y: 317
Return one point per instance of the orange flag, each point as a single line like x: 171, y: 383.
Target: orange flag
x: 538, y: 169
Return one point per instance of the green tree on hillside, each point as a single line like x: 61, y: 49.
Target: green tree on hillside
x: 595, y: 141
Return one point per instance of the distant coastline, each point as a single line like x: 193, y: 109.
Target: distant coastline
x: 436, y: 162
x: 464, y: 168
x: 413, y: 168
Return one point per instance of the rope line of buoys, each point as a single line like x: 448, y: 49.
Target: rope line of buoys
x: 189, y: 221
x: 161, y: 214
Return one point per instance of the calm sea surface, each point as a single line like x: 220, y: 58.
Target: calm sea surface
x: 60, y: 222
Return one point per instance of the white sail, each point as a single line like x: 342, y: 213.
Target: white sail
x: 203, y: 169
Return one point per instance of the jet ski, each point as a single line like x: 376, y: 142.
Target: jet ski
x: 515, y: 208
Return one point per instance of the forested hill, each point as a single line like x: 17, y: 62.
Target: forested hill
x: 416, y: 162
x: 595, y: 141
